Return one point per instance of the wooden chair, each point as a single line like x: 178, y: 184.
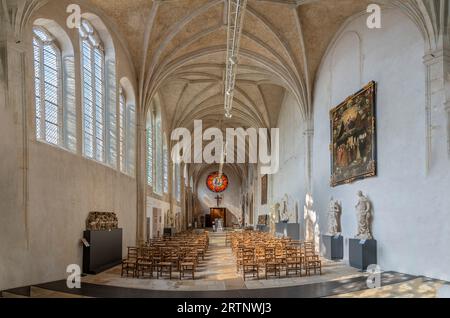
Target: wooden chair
x: 249, y: 264
x: 271, y: 264
x: 311, y: 260
x: 130, y: 263
x: 164, y: 268
x: 186, y: 267
x: 144, y: 264
x: 294, y: 261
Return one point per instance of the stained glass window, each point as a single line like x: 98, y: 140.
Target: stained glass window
x: 217, y: 182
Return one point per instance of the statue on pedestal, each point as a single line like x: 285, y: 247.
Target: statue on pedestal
x: 309, y: 216
x: 274, y: 213
x: 334, y: 217
x: 284, y: 216
x: 364, y: 213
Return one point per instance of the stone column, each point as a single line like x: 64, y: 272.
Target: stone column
x: 308, y: 134
x: 141, y: 180
x: 437, y: 108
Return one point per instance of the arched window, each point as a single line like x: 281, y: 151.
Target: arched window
x: 48, y: 87
x: 177, y: 181
x: 127, y: 133
x: 93, y: 74
x: 149, y: 137
x: 131, y: 139
x: 122, y: 131
x: 158, y: 185
x: 186, y: 176
x: 165, y: 165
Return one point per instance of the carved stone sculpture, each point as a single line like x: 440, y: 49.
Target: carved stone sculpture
x: 308, y: 216
x: 102, y: 221
x: 284, y: 215
x: 276, y: 212
x: 334, y: 217
x: 364, y: 214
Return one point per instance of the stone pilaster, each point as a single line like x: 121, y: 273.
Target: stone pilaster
x: 308, y: 134
x: 141, y: 179
x: 437, y: 107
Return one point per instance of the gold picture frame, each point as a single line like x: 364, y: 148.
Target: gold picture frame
x: 353, y: 145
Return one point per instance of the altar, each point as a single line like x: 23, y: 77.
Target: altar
x: 218, y: 214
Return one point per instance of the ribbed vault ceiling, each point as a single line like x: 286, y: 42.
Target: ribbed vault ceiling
x: 179, y: 50
x: 179, y: 46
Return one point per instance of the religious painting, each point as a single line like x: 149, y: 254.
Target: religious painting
x: 353, y: 137
x: 264, y: 190
x: 217, y: 182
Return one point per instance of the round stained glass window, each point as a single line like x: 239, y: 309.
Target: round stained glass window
x: 217, y: 183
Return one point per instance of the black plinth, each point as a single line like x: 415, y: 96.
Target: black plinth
x: 334, y: 247
x: 262, y: 228
x: 104, y: 252
x: 169, y: 231
x: 362, y: 253
x: 291, y: 230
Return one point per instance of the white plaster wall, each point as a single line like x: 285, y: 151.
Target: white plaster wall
x: 411, y: 221
x: 290, y: 178
x: 231, y: 196
x: 63, y: 187
x: 159, y: 204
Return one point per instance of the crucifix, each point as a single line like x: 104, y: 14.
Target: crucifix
x: 218, y: 199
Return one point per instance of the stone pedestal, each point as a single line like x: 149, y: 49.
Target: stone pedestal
x: 263, y: 228
x: 169, y: 231
x: 103, y: 252
x: 291, y: 230
x: 362, y: 253
x: 334, y: 247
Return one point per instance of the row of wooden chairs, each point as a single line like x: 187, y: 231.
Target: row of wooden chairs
x: 257, y: 252
x: 180, y: 254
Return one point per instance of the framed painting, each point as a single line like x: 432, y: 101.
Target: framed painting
x: 353, y: 137
x: 264, y: 190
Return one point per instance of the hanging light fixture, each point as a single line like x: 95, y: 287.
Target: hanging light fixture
x: 236, y: 10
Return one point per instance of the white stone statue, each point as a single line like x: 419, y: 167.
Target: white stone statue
x: 275, y: 212
x: 309, y: 216
x: 284, y: 215
x: 334, y: 217
x: 364, y: 213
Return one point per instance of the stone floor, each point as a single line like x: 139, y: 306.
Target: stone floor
x: 218, y: 272
x: 217, y: 277
x: 417, y: 288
